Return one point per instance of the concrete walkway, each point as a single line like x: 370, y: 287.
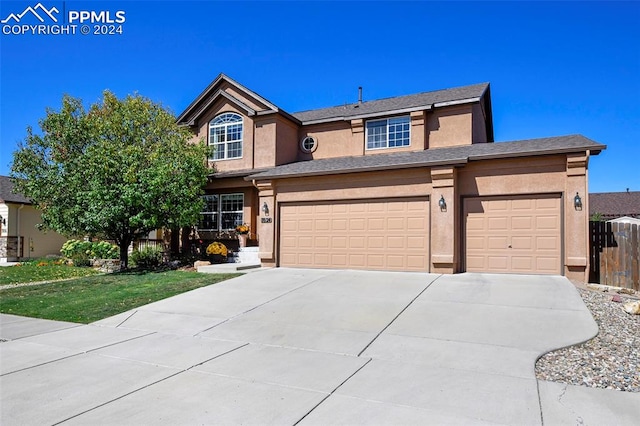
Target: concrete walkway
x: 289, y: 346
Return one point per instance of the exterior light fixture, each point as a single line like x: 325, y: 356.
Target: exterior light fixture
x: 3, y: 220
x: 577, y: 202
x: 442, y: 203
x: 265, y: 209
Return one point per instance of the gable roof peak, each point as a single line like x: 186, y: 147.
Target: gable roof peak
x: 211, y: 92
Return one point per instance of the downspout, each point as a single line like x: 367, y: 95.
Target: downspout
x: 18, y: 230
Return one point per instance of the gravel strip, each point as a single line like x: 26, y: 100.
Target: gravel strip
x: 611, y: 360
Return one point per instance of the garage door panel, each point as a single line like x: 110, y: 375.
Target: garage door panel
x: 415, y: 242
x: 546, y: 222
x: 522, y: 243
x: 376, y: 224
x: 368, y: 234
x: 395, y: 243
x: 521, y: 264
x: 517, y: 234
x: 396, y: 262
x: 522, y: 204
x: 357, y: 242
x: 416, y: 223
x: 498, y: 223
x: 548, y: 243
x: 357, y: 224
x: 498, y: 263
x: 497, y: 242
x: 522, y: 222
x: 416, y: 262
x: 495, y: 206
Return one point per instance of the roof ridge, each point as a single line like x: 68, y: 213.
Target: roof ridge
x: 394, y: 97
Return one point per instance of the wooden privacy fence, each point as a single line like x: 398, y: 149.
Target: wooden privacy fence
x: 615, y: 254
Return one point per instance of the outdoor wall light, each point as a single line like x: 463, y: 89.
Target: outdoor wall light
x: 442, y: 204
x: 265, y: 209
x: 577, y: 202
x: 3, y: 220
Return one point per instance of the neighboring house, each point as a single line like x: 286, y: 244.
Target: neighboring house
x: 612, y: 205
x: 19, y: 237
x: 410, y: 183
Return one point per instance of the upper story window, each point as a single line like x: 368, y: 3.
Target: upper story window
x: 388, y: 133
x: 225, y: 135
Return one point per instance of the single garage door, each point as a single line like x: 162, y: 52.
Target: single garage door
x: 358, y: 234
x: 516, y: 234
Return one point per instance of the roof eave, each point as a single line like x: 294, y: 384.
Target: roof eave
x: 262, y: 176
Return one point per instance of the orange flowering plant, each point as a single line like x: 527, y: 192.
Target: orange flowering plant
x: 242, y: 229
x: 217, y: 248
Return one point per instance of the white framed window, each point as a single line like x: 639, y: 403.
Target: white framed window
x: 222, y: 212
x: 308, y: 144
x: 231, y: 213
x: 225, y: 136
x: 388, y: 133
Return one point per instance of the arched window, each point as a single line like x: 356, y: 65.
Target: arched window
x: 225, y: 135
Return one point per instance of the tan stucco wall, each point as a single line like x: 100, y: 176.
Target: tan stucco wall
x: 265, y: 142
x: 286, y: 141
x: 397, y: 183
x: 335, y: 139
x: 479, y: 124
x: 22, y: 222
x: 449, y: 126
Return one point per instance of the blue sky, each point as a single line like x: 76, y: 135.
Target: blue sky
x: 554, y: 68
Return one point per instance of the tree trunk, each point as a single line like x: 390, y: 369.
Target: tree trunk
x: 124, y: 255
x: 166, y: 244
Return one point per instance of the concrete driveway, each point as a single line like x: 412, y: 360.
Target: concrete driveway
x: 289, y: 346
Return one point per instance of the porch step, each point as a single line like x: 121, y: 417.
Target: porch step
x: 248, y: 255
x: 221, y: 268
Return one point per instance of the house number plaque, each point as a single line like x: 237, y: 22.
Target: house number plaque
x: 265, y: 220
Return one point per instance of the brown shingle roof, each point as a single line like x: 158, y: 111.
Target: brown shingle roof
x: 6, y: 192
x: 612, y: 205
x: 434, y: 157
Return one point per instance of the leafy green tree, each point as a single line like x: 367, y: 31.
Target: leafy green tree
x: 117, y: 171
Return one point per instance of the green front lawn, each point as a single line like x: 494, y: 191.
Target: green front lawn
x: 41, y: 270
x: 88, y: 299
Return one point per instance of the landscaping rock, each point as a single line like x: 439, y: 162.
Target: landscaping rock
x: 632, y: 308
x: 201, y: 263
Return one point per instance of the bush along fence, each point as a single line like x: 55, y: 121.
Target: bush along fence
x: 615, y: 254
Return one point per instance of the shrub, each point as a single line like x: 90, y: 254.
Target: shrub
x: 80, y: 251
x: 104, y: 250
x: 147, y: 258
x: 217, y: 248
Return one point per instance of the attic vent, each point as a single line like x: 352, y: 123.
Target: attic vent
x: 308, y: 144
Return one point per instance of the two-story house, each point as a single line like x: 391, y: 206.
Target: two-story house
x: 410, y: 183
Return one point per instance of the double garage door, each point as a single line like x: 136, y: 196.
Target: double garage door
x: 513, y: 235
x: 356, y: 234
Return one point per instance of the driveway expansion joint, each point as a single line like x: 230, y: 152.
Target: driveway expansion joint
x: 399, y: 313
x: 333, y: 391
x: 264, y: 303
